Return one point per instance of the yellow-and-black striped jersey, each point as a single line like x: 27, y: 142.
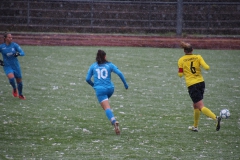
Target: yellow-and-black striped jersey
x: 189, y: 67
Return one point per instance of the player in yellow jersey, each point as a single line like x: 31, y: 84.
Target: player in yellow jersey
x: 189, y: 66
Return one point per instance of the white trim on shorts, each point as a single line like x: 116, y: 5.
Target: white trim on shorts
x: 104, y: 100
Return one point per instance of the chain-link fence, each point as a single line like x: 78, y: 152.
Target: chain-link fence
x: 125, y: 16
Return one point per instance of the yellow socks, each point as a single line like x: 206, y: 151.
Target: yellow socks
x: 196, y: 117
x: 208, y: 113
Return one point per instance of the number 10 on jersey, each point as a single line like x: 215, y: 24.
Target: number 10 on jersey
x: 102, y: 73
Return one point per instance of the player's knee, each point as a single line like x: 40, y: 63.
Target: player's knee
x: 10, y: 75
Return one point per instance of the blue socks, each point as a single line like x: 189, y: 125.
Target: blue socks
x: 110, y: 115
x: 12, y: 82
x: 20, y: 86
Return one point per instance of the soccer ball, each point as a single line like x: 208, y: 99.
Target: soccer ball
x: 224, y: 113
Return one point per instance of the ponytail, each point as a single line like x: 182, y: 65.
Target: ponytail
x: 100, y: 58
x: 187, y: 47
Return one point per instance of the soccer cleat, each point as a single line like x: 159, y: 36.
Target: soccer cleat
x: 116, y: 127
x: 15, y: 93
x: 218, y: 123
x: 22, y: 97
x: 192, y: 128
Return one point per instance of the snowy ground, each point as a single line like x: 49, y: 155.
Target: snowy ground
x: 61, y: 118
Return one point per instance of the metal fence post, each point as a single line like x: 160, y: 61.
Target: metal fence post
x: 28, y: 13
x: 179, y: 17
x: 92, y: 15
x: 149, y: 15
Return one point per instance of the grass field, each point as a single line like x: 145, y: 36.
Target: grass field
x: 61, y: 118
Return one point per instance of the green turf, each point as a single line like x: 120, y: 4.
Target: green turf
x: 61, y: 118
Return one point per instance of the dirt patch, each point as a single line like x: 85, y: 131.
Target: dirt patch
x: 124, y: 40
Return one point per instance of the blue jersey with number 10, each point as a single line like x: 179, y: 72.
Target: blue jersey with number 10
x: 102, y: 75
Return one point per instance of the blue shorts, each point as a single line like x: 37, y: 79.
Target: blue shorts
x: 17, y: 71
x: 196, y: 91
x: 103, y: 93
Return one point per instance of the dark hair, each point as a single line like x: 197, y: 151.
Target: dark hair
x: 5, y: 36
x: 100, y: 58
x: 187, y: 47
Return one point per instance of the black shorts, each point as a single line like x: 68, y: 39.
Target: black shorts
x: 196, y: 91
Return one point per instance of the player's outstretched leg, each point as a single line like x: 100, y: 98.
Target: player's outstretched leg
x: 218, y: 123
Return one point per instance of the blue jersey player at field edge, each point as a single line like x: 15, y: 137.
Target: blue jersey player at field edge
x: 10, y: 51
x: 103, y: 86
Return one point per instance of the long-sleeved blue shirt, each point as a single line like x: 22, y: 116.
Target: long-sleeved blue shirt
x: 8, y: 52
x: 102, y: 75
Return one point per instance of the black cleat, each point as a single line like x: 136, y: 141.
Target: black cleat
x: 192, y: 128
x: 218, y: 123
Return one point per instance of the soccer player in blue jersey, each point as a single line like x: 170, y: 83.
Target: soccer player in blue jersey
x: 10, y: 51
x: 103, y: 86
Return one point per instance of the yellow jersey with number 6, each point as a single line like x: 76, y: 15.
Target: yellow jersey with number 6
x: 189, y: 66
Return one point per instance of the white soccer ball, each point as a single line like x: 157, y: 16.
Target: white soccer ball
x: 224, y: 113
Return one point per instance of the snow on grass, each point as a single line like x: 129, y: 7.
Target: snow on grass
x: 61, y: 118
